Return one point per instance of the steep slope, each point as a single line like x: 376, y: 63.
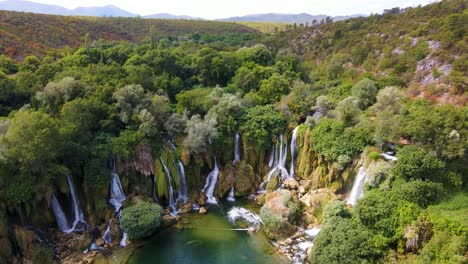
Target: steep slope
x: 423, y: 48
x: 34, y: 34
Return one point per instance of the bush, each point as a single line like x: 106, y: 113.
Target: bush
x: 141, y: 219
x: 422, y: 193
x: 335, y: 209
x: 344, y: 241
x: 417, y: 163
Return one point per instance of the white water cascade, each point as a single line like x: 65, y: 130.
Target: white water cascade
x: 237, y: 158
x: 358, y: 186
x: 239, y: 213
x: 172, y: 200
x: 77, y: 212
x: 277, y: 163
x: 107, y: 234
x: 117, y: 195
x: 123, y: 242
x: 293, y: 152
x: 183, y: 196
x: 236, y: 148
x: 210, y: 184
x: 60, y: 216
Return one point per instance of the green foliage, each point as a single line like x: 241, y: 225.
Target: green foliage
x: 365, y: 91
x: 335, y: 209
x: 422, y: 193
x: 141, y: 220
x: 198, y: 132
x: 343, y: 240
x: 332, y: 140
x: 374, y: 155
x: 194, y: 101
x: 260, y: 123
x: 417, y: 163
x: 274, y: 88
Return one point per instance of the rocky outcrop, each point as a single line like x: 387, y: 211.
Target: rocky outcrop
x: 279, y: 213
x: 315, y: 168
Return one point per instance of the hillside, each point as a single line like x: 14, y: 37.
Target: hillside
x: 302, y: 18
x: 35, y: 34
x: 423, y: 48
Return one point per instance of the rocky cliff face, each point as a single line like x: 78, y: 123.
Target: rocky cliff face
x: 313, y: 167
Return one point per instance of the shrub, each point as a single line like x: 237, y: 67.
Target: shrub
x: 374, y: 155
x: 334, y: 209
x: 417, y: 163
x: 141, y: 219
x: 344, y: 241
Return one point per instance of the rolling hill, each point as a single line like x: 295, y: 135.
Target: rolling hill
x: 35, y: 34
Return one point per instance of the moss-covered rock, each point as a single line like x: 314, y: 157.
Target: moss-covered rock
x: 313, y: 204
x: 313, y: 167
x: 31, y: 249
x: 245, y: 179
x: 279, y: 214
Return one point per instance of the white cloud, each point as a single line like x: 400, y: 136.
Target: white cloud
x: 221, y: 8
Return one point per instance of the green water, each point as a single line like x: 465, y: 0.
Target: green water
x: 206, y: 239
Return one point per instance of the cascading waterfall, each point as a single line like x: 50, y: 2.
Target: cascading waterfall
x: 278, y: 163
x: 183, y: 196
x: 236, y: 148
x: 172, y: 200
x: 77, y: 212
x: 231, y: 197
x: 239, y: 213
x: 237, y: 158
x: 60, y: 216
x: 210, y: 184
x: 123, y: 242
x: 358, y: 186
x: 293, y: 152
x: 117, y: 195
x: 107, y: 234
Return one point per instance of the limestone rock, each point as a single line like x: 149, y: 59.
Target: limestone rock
x: 186, y: 208
x: 100, y: 242
x: 291, y: 184
x: 202, y: 210
x: 279, y: 212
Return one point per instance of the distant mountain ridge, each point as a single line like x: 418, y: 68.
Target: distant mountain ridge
x: 285, y: 18
x: 113, y: 11
x: 33, y: 7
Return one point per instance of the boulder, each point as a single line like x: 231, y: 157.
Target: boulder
x: 306, y: 184
x: 244, y: 179
x: 279, y: 213
x: 291, y: 184
x: 186, y: 208
x: 202, y: 210
x: 169, y: 220
x: 100, y: 242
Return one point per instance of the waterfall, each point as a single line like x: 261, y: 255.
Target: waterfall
x: 252, y: 219
x: 278, y: 163
x: 77, y: 212
x: 388, y: 156
x: 210, y: 184
x: 293, y: 152
x: 231, y: 197
x: 107, y: 235
x: 237, y: 158
x: 62, y: 221
x: 236, y: 148
x: 358, y: 186
x: 117, y: 195
x: 183, y: 196
x: 172, y: 200
x: 123, y: 242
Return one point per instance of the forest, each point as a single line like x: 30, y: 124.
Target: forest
x: 385, y: 93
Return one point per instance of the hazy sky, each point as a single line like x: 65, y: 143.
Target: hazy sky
x: 226, y: 8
